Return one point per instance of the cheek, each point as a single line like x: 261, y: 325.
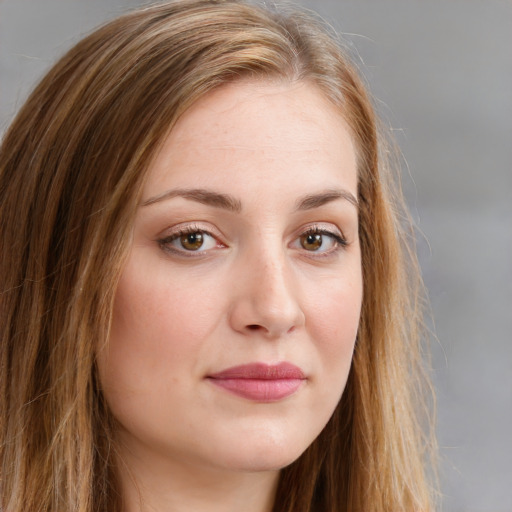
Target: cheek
x: 334, y: 314
x: 158, y: 331
x: 153, y: 308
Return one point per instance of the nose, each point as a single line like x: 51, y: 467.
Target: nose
x: 266, y: 298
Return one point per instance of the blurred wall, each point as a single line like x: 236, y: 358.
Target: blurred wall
x: 442, y: 72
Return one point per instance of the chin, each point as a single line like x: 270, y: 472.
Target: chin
x: 264, y: 454
x: 262, y: 462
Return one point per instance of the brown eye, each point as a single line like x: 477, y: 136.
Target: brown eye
x: 311, y: 241
x: 189, y: 242
x: 192, y: 241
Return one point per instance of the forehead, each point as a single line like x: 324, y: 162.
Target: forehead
x: 255, y: 129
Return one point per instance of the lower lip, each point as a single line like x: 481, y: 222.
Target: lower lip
x: 260, y: 390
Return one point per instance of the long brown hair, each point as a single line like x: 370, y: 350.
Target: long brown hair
x: 72, y: 166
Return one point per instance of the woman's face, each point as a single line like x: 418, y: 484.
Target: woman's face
x: 238, y: 307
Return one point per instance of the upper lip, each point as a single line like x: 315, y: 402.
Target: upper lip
x: 261, y: 371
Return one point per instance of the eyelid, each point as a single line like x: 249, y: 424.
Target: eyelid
x: 321, y: 227
x: 190, y: 227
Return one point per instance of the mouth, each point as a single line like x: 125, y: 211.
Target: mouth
x: 260, y: 382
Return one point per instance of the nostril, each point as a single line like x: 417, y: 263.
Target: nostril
x: 253, y: 327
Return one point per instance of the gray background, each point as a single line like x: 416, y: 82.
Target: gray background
x: 442, y: 73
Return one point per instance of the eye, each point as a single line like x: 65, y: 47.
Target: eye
x: 189, y: 240
x: 320, y: 240
x: 312, y: 241
x: 192, y: 241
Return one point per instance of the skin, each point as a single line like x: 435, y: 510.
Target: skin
x: 255, y: 291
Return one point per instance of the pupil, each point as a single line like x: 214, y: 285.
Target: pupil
x: 312, y: 241
x: 192, y: 241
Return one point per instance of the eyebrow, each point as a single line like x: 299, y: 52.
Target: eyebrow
x: 316, y: 200
x: 200, y: 195
x: 230, y: 203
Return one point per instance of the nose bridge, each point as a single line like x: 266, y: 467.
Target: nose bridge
x: 268, y: 299
x: 273, y: 286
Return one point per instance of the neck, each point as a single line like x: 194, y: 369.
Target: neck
x: 165, y: 486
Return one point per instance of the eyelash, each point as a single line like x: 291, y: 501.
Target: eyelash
x: 340, y: 242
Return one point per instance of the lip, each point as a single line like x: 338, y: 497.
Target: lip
x: 260, y: 382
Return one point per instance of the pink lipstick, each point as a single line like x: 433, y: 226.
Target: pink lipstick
x: 259, y: 381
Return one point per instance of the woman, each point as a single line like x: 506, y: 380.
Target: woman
x: 206, y: 302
